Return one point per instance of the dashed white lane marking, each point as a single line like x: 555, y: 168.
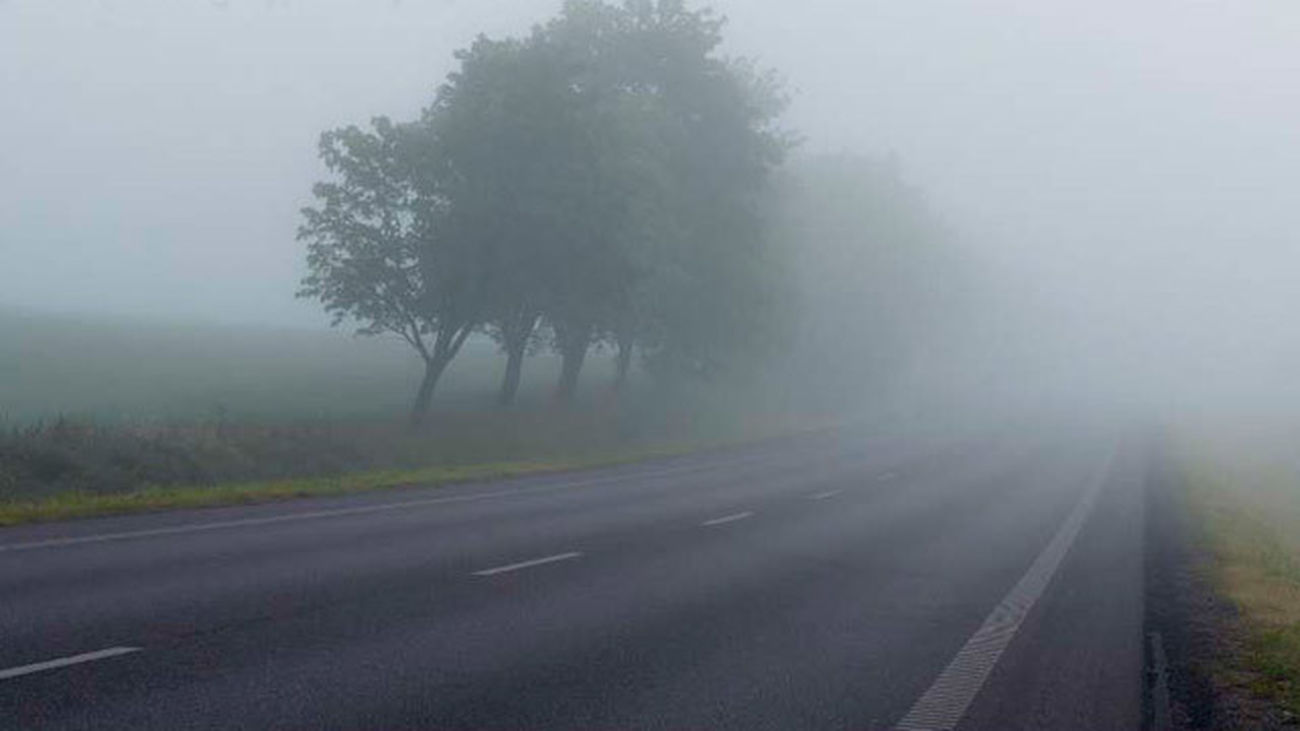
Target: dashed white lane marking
x: 341, y: 512
x: 63, y: 662
x: 727, y: 519
x: 946, y: 702
x: 887, y: 477
x: 529, y: 564
x: 825, y: 495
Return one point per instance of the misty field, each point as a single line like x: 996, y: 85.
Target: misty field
x: 116, y: 415
x: 122, y: 371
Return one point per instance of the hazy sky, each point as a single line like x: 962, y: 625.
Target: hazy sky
x: 1138, y: 159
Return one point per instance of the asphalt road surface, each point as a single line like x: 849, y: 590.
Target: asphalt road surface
x: 829, y: 581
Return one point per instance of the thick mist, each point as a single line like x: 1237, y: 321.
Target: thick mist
x: 1120, y: 180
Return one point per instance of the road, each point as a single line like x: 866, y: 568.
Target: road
x: 829, y: 581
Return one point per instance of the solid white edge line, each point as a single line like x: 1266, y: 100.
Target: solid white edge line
x: 942, y: 707
x: 66, y: 661
x: 727, y: 519
x: 529, y: 564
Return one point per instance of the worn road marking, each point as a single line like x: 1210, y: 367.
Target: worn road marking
x: 63, y: 662
x: 360, y: 510
x: 944, y: 704
x: 887, y: 477
x: 727, y: 519
x: 825, y: 495
x: 529, y: 564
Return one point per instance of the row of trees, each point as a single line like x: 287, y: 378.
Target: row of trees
x: 598, y: 181
x: 884, y: 297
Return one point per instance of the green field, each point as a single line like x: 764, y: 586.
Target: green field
x: 120, y: 371
x: 112, y: 416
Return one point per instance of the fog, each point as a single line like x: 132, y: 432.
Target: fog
x: 1129, y: 172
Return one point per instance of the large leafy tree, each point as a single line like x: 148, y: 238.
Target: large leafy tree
x: 671, y: 258
x: 510, y: 153
x: 535, y: 159
x: 380, y: 252
x: 610, y: 179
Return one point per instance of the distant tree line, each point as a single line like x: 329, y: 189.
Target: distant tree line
x: 883, y: 299
x: 599, y: 181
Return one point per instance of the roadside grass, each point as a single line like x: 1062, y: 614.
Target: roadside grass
x: 217, y: 415
x: 1247, y: 511
x: 114, y: 471
x: 72, y: 505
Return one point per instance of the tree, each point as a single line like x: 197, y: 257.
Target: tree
x: 669, y: 256
x: 590, y: 267
x: 377, y: 250
x: 599, y: 176
x: 881, y: 287
x: 518, y: 142
x: 714, y: 300
x: 496, y: 124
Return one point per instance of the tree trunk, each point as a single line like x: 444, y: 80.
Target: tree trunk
x: 433, y: 368
x: 622, y: 364
x: 569, y: 372
x: 449, y: 341
x: 516, y: 333
x: 514, y: 372
x: 573, y: 351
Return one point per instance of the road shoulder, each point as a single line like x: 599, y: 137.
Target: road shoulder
x: 1077, y: 661
x: 1200, y: 632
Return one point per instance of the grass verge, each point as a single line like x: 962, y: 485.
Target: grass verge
x: 1247, y: 509
x: 72, y: 505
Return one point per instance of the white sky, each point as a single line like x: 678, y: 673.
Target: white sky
x: 1139, y: 160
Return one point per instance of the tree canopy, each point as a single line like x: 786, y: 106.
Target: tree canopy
x: 600, y: 177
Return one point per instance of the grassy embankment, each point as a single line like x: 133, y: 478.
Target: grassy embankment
x: 81, y: 504
x: 112, y: 416
x: 1246, y: 502
x: 71, y: 470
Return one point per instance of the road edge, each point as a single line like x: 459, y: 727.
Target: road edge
x: 1188, y: 625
